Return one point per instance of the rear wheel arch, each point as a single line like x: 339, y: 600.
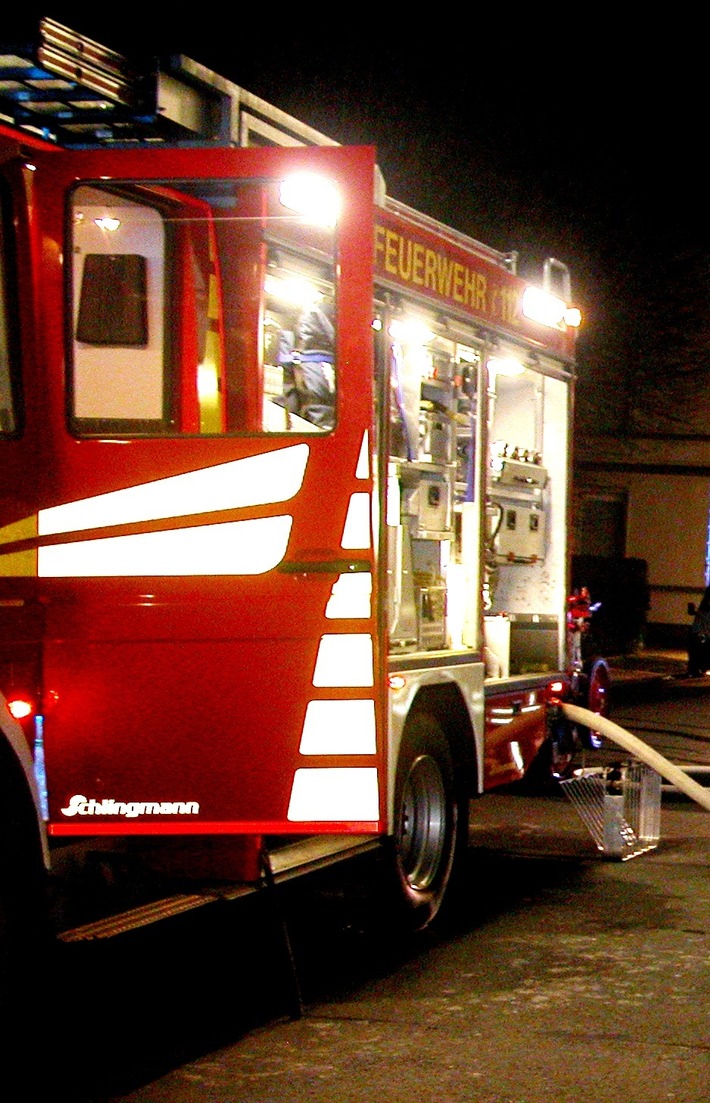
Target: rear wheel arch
x: 23, y: 855
x: 446, y: 705
x: 24, y: 920
x: 435, y: 776
x: 18, y: 784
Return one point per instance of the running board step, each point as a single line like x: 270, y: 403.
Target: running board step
x: 317, y: 852
x: 287, y: 861
x: 147, y: 914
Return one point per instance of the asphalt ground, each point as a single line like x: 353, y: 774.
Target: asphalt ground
x: 653, y: 666
x: 564, y: 974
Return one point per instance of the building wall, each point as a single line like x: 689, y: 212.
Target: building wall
x: 666, y: 524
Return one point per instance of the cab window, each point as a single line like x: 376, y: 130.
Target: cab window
x: 199, y: 308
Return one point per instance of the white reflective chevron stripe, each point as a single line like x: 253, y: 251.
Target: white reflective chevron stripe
x: 339, y: 727
x: 334, y: 794
x: 234, y: 548
x: 346, y: 725
x: 252, y: 481
x: 356, y: 531
x: 344, y: 660
x: 350, y: 597
x: 363, y: 461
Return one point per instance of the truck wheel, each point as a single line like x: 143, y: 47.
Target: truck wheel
x: 23, y: 978
x: 431, y: 821
x: 597, y: 700
x: 24, y: 928
x: 555, y: 758
x: 562, y: 750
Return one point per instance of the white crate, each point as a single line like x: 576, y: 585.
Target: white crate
x: 621, y: 806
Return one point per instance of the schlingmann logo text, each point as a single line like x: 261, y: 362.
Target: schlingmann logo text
x: 83, y: 806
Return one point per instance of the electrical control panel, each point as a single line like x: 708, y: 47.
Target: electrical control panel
x: 516, y: 510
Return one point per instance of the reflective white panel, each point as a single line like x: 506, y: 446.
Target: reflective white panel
x: 255, y: 480
x: 350, y: 597
x: 339, y: 727
x: 363, y: 463
x: 334, y: 794
x: 344, y: 660
x: 239, y: 547
x: 356, y: 532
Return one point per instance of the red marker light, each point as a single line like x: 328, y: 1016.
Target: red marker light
x: 556, y: 691
x: 20, y: 708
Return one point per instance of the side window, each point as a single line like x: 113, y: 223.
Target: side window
x: 9, y: 419
x: 119, y: 362
x: 199, y: 308
x: 424, y: 391
x: 299, y: 346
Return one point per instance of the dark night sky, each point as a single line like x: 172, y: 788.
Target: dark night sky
x: 585, y: 144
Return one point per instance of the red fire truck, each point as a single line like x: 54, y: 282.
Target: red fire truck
x: 284, y: 494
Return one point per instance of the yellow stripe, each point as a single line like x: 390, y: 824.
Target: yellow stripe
x: 23, y: 563
x: 208, y: 389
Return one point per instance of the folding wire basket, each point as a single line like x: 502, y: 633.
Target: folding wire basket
x: 621, y: 806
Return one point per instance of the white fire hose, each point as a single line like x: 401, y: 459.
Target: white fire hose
x: 635, y: 746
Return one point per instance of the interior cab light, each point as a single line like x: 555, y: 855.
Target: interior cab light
x: 312, y: 196
x: 108, y: 223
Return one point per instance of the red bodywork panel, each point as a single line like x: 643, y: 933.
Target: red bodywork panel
x: 440, y: 270
x: 516, y: 727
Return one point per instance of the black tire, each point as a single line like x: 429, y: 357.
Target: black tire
x: 556, y: 757
x: 25, y: 940
x: 23, y: 972
x: 431, y: 822
x: 562, y: 751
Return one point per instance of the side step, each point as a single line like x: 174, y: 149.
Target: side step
x: 147, y: 914
x: 292, y: 859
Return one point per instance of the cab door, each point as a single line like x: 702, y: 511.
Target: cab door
x: 204, y: 508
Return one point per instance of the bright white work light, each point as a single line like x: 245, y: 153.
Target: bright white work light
x: 312, y: 196
x: 541, y: 307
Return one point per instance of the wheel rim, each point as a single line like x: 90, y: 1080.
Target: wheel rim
x: 561, y: 761
x: 422, y: 828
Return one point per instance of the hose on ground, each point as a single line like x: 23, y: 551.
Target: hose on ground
x: 637, y: 747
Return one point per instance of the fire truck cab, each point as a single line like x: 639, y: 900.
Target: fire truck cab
x: 283, y: 497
